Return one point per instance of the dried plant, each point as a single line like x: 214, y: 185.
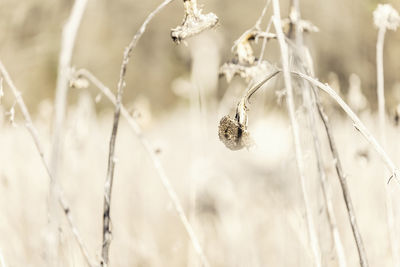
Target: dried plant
x: 39, y: 147
x: 85, y: 74
x: 194, y: 22
x: 69, y: 33
x: 296, y: 69
x: 233, y: 134
x: 107, y: 234
x: 67, y: 46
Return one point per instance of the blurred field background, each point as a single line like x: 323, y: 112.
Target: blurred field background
x: 247, y: 207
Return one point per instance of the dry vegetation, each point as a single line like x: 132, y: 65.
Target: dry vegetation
x: 180, y: 197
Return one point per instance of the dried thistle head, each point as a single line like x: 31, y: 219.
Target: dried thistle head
x: 233, y: 134
x: 385, y: 16
x: 194, y: 22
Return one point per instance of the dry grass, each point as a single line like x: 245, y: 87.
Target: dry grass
x: 244, y: 208
x: 249, y: 206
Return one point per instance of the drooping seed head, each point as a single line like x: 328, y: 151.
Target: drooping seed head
x: 233, y: 134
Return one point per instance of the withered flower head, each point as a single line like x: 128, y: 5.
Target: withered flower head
x: 194, y: 22
x: 385, y: 16
x: 233, y: 134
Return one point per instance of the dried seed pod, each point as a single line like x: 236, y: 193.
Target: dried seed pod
x: 233, y: 134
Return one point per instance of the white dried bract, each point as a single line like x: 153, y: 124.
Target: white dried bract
x: 385, y: 16
x: 246, y: 71
x: 242, y: 46
x: 244, y: 51
x: 305, y: 26
x: 193, y: 23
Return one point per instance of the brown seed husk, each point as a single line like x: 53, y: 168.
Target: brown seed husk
x: 232, y: 134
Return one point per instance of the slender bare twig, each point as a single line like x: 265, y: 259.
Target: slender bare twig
x: 263, y: 12
x: 326, y: 189
x: 107, y: 235
x: 345, y: 189
x: 154, y: 159
x: 33, y: 132
x: 298, y: 51
x: 380, y: 88
x: 311, y: 107
x: 295, y: 131
x: 67, y: 45
x: 310, y: 103
x: 264, y: 43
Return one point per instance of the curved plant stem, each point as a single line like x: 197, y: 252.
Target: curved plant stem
x: 394, y: 241
x: 358, y: 124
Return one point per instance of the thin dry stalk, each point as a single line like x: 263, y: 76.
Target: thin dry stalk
x: 67, y: 45
x: 264, y: 43
x: 381, y: 87
x: 33, y: 132
x: 326, y: 188
x: 107, y: 234
x: 386, y: 18
x: 326, y: 192
x: 263, y: 12
x: 295, y: 131
x: 345, y: 189
x: 154, y: 159
x: 358, y: 124
x: 394, y: 243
